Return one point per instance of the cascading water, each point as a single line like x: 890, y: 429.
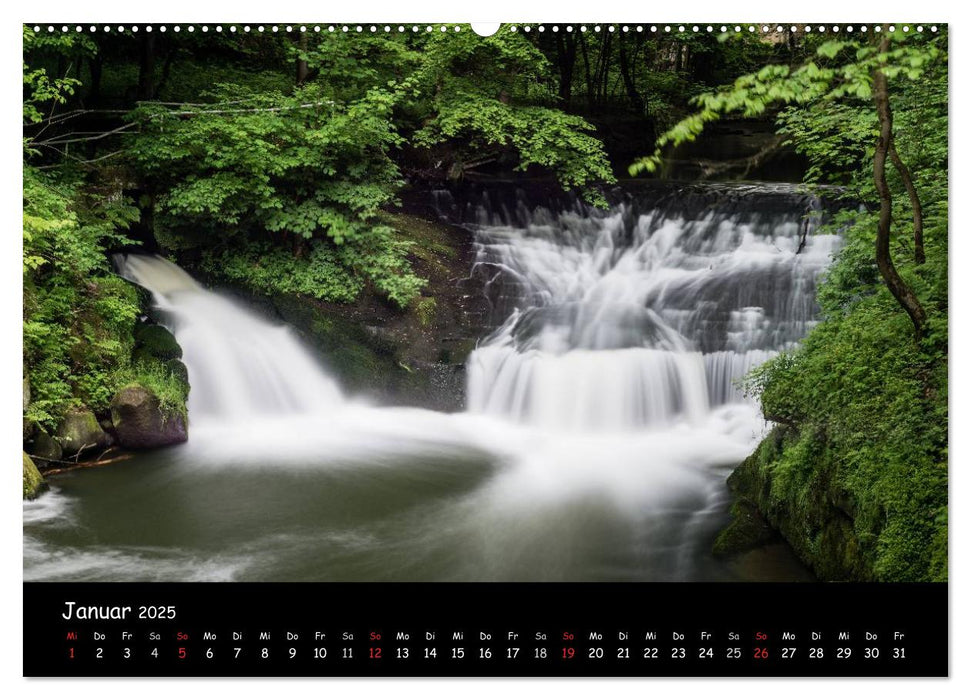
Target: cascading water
x: 639, y: 317
x: 603, y: 415
x: 239, y: 365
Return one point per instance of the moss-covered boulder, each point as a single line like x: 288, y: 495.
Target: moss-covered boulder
x: 178, y: 370
x: 29, y: 425
x: 746, y: 531
x: 142, y: 422
x: 156, y: 341
x: 787, y: 488
x: 81, y: 432
x: 45, y: 449
x: 33, y: 482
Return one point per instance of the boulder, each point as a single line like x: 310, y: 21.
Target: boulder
x: 747, y: 530
x: 33, y: 482
x: 141, y: 422
x: 80, y: 431
x: 45, y: 448
x: 178, y: 370
x: 157, y: 341
x: 29, y: 425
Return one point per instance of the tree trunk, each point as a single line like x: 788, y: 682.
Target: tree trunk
x: 627, y: 73
x: 566, y: 57
x: 604, y: 80
x: 895, y: 283
x: 95, y: 63
x: 586, y: 70
x: 303, y: 70
x: 914, y: 204
x: 166, y: 69
x: 146, y: 68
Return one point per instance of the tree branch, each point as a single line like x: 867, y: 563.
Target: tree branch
x: 914, y: 204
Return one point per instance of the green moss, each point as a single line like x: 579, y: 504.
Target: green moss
x: 167, y: 380
x: 746, y: 531
x: 79, y: 431
x: 428, y: 241
x: 842, y: 527
x: 33, y: 482
x: 424, y: 310
x: 157, y: 341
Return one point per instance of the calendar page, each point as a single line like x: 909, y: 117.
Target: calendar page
x: 525, y: 349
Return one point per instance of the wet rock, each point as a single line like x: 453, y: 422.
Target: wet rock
x: 156, y: 341
x: 747, y: 530
x: 45, y: 449
x: 80, y: 432
x: 33, y: 482
x: 29, y: 425
x: 178, y: 370
x: 141, y: 422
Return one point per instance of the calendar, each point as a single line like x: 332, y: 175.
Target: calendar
x: 337, y: 630
x: 386, y: 349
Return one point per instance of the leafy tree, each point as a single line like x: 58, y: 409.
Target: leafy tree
x: 263, y: 178
x: 78, y: 317
x: 821, y: 81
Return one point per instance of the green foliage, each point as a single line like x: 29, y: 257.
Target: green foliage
x: 475, y: 95
x: 257, y: 174
x: 826, y: 78
x: 78, y: 316
x: 540, y: 136
x: 42, y: 91
x: 337, y: 274
x: 280, y: 188
x: 167, y: 385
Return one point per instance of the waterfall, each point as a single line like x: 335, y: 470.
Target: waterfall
x: 240, y: 366
x: 603, y: 413
x: 644, y: 315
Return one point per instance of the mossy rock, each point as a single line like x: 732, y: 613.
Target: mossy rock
x: 33, y: 482
x: 141, y: 422
x: 178, y: 370
x: 747, y: 530
x: 45, y: 448
x: 80, y: 431
x: 157, y: 341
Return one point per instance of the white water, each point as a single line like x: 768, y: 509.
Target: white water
x: 239, y: 365
x: 637, y: 318
x: 602, y: 422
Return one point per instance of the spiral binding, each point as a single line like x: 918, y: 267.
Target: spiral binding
x: 401, y: 28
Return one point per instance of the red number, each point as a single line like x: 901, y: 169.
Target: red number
x: 568, y: 652
x: 70, y: 653
x: 375, y: 652
x: 761, y: 653
x: 181, y: 652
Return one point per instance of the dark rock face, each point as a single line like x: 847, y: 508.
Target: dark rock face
x: 142, y: 423
x: 80, y: 431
